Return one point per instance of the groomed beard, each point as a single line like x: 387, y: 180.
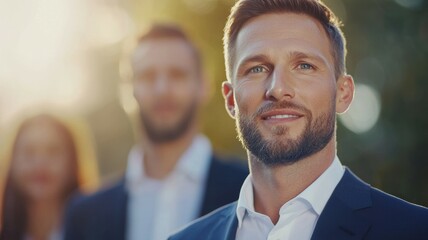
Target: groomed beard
x: 316, y: 135
x: 161, y: 134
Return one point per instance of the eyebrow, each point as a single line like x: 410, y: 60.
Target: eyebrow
x: 302, y: 55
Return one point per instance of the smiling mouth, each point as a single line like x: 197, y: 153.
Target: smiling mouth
x: 282, y: 116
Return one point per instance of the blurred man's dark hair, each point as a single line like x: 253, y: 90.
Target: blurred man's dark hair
x: 171, y: 31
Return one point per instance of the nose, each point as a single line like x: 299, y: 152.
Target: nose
x: 280, y: 86
x: 40, y: 159
x: 161, y: 85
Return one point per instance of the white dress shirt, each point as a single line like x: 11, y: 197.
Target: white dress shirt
x: 156, y: 208
x: 297, y: 217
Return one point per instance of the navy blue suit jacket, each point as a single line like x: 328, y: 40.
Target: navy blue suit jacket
x: 103, y: 215
x: 354, y: 211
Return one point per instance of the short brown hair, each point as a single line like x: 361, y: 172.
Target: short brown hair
x: 171, y: 31
x: 244, y: 10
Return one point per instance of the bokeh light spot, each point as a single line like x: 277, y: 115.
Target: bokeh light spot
x: 410, y: 3
x: 364, y: 111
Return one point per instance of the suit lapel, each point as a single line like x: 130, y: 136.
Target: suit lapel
x: 223, y: 184
x: 120, y: 210
x: 227, y: 230
x: 211, y: 187
x: 232, y: 224
x: 339, y: 219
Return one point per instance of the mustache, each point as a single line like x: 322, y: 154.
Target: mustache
x: 281, y: 105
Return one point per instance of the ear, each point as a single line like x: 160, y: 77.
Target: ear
x: 344, y: 93
x: 229, y: 98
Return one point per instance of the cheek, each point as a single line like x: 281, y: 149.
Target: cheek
x: 248, y: 96
x: 182, y: 93
x: 145, y: 100
x: 141, y: 94
x: 60, y: 171
x: 20, y: 170
x: 60, y: 167
x: 322, y: 98
x: 43, y: 179
x: 185, y: 95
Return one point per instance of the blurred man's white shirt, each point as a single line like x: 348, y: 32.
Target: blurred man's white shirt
x: 298, y: 216
x: 156, y: 208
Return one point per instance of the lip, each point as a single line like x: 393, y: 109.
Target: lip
x: 41, y: 178
x: 164, y: 109
x: 281, y: 115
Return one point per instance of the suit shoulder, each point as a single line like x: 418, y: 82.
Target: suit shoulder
x: 97, y: 200
x: 208, y: 225
x: 397, y: 218
x: 97, y: 216
x: 397, y: 205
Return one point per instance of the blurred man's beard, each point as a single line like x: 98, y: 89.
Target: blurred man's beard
x: 315, y: 136
x: 162, y: 134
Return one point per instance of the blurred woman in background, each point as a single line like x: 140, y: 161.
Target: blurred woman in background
x: 42, y: 177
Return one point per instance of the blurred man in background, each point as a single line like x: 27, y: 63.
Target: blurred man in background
x: 285, y: 62
x: 172, y: 175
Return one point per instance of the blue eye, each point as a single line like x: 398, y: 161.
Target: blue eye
x: 305, y: 66
x: 257, y: 69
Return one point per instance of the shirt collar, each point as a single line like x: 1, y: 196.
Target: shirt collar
x: 245, y: 200
x: 316, y: 194
x: 194, y: 162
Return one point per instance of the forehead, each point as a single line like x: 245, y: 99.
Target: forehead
x: 163, y: 53
x: 282, y: 31
x: 40, y: 131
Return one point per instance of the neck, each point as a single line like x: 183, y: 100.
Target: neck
x: 160, y: 159
x: 274, y: 186
x: 43, y: 218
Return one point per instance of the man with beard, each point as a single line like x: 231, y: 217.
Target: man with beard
x: 285, y: 62
x: 172, y: 175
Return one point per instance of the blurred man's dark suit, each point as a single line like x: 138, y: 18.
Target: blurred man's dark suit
x: 103, y: 215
